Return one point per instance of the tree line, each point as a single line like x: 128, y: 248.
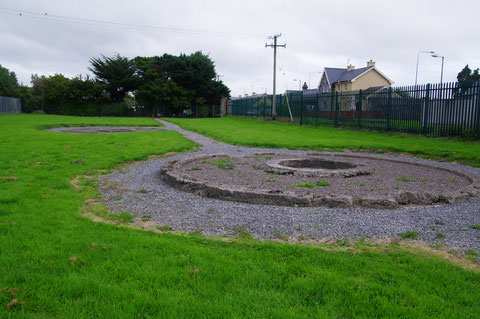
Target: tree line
x: 168, y: 85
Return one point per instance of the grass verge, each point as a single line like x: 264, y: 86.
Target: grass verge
x: 57, y: 263
x: 258, y: 133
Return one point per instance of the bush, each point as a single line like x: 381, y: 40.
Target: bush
x: 116, y: 109
x: 92, y: 109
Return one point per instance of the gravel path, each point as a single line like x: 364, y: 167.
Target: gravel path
x: 138, y: 190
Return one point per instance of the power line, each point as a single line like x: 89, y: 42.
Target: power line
x: 286, y: 86
x: 253, y: 60
x: 282, y: 68
x: 60, y: 18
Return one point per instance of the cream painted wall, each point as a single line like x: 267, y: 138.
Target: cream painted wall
x: 340, y: 87
x: 370, y: 79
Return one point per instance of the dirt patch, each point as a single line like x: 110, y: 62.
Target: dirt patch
x: 378, y: 183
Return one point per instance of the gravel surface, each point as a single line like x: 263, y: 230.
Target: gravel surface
x: 381, y: 178
x: 139, y: 191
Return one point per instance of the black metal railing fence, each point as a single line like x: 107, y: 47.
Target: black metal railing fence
x: 446, y: 109
x: 10, y: 105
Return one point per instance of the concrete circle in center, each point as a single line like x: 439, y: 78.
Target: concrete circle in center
x: 315, y: 167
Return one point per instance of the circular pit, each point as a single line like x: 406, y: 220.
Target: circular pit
x: 319, y: 180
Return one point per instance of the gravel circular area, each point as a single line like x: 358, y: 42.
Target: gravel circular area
x: 106, y: 129
x: 139, y: 190
x: 319, y: 180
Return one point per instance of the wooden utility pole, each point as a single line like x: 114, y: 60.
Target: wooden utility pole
x: 274, y: 46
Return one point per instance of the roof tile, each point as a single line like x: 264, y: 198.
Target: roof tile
x: 341, y: 75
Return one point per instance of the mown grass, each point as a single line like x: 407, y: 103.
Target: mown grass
x: 258, y: 133
x: 62, y: 264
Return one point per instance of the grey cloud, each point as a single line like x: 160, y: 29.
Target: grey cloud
x: 317, y: 33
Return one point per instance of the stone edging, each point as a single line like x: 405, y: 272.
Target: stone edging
x: 170, y: 174
x: 275, y: 166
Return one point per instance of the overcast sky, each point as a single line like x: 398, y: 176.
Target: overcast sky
x: 318, y: 34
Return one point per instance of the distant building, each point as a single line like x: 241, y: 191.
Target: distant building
x: 351, y: 79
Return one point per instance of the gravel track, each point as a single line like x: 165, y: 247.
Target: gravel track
x: 139, y: 191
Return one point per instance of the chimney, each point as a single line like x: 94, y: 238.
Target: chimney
x: 305, y: 86
x: 350, y: 67
x: 370, y: 63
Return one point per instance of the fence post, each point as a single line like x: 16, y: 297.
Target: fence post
x: 317, y: 109
x: 389, y: 107
x: 425, y: 111
x: 360, y: 109
x: 301, y: 109
x: 337, y: 108
x: 264, y: 98
x: 278, y: 106
x: 477, y: 109
x: 477, y: 120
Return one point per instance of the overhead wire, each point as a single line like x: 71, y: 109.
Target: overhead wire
x: 254, y: 58
x: 68, y: 19
x: 286, y: 85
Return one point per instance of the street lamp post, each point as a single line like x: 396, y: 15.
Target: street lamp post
x: 443, y: 58
x: 418, y: 56
x: 299, y: 84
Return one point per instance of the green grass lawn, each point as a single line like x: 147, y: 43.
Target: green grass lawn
x: 258, y: 133
x: 61, y: 264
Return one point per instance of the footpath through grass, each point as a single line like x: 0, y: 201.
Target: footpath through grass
x: 258, y: 133
x: 57, y: 263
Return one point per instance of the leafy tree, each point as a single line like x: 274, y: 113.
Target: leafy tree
x: 55, y: 93
x: 178, y: 83
x: 86, y: 89
x: 38, y: 89
x: 466, y: 79
x: 30, y: 102
x: 9, y: 87
x: 171, y: 84
x: 196, y: 72
x: 86, y: 96
x: 8, y: 82
x: 117, y: 73
x: 158, y: 91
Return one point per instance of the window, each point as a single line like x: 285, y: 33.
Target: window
x: 345, y: 87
